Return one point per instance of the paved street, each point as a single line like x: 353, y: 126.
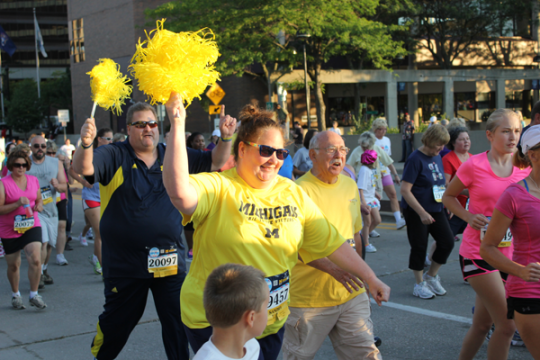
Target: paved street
x: 410, y: 328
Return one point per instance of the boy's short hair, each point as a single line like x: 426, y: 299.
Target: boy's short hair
x: 230, y: 291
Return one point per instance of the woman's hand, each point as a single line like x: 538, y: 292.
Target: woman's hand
x: 426, y: 218
x: 397, y: 180
x: 39, y: 206
x: 365, y: 209
x: 531, y: 272
x: 477, y: 221
x: 227, y: 124
x: 23, y: 200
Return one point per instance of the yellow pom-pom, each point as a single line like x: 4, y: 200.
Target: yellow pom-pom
x: 109, y: 86
x: 180, y: 62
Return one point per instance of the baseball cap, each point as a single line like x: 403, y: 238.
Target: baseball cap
x: 216, y: 133
x: 530, y: 138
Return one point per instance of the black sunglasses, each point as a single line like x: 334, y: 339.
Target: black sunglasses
x: 37, y: 146
x: 51, y: 153
x: 267, y: 151
x: 19, y: 165
x: 142, y: 124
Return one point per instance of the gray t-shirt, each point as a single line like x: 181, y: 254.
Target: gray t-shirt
x: 45, y: 172
x: 302, y: 161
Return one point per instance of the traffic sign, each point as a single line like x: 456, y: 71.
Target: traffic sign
x: 214, y: 109
x: 63, y: 115
x: 215, y: 93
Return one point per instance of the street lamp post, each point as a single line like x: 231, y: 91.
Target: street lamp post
x: 305, y: 37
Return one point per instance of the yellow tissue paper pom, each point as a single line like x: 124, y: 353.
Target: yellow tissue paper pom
x: 109, y: 88
x: 180, y: 62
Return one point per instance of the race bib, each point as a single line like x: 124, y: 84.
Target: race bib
x: 23, y: 223
x: 438, y: 192
x: 507, y: 239
x: 278, y: 305
x: 58, y: 197
x: 162, y: 262
x: 46, y: 195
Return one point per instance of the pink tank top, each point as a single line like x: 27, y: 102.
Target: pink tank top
x: 13, y: 193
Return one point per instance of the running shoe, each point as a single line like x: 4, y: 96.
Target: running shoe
x: 490, y: 332
x: 41, y: 282
x: 456, y: 238
x: 352, y: 243
x: 190, y: 254
x: 377, y: 340
x: 90, y: 234
x: 374, y: 234
x: 516, y: 340
x: 47, y: 279
x: 427, y: 262
x: 17, y: 303
x: 61, y: 260
x: 434, y: 284
x: 400, y: 224
x: 68, y: 247
x: 370, y: 248
x: 95, y: 263
x: 82, y: 240
x: 423, y: 291
x: 38, y: 302
x: 2, y: 252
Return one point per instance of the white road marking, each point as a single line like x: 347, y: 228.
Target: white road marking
x: 425, y: 312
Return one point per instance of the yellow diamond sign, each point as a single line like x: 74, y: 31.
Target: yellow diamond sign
x: 215, y: 93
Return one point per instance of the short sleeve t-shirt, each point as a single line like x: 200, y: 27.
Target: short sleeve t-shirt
x: 302, y: 161
x: 340, y: 203
x: 522, y: 208
x: 384, y: 144
x: 451, y: 164
x: 485, y: 188
x: 287, y: 168
x: 210, y: 352
x: 425, y: 173
x: 367, y: 183
x: 264, y: 228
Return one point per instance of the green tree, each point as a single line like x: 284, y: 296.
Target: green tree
x: 24, y: 110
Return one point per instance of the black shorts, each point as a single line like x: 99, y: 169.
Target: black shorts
x: 524, y: 306
x: 13, y: 245
x: 62, y: 210
x: 475, y: 267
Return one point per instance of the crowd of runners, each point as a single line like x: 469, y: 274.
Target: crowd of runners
x: 278, y: 242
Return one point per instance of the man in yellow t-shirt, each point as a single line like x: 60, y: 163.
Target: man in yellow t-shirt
x: 326, y: 300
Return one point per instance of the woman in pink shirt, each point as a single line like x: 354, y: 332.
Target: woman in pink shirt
x: 486, y: 176
x: 20, y: 197
x: 518, y: 209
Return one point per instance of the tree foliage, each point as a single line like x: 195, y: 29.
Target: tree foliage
x: 259, y: 32
x: 24, y: 110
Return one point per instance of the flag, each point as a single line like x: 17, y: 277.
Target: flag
x: 5, y: 43
x: 39, y: 38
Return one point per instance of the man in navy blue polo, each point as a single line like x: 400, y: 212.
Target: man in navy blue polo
x: 141, y: 230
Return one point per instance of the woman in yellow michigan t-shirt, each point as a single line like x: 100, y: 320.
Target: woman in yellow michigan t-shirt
x: 249, y: 215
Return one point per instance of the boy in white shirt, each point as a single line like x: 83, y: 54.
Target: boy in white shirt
x: 236, y: 300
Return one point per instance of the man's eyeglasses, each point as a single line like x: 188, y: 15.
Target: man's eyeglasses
x: 51, y: 153
x: 19, y: 165
x: 267, y: 151
x: 332, y: 150
x: 110, y: 138
x: 142, y: 124
x: 37, y: 146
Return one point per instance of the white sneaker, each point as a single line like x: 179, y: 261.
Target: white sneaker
x: 83, y: 241
x: 90, y: 234
x: 422, y: 291
x: 400, y: 224
x: 427, y: 262
x: 374, y: 234
x: 434, y: 284
x: 61, y: 260
x: 370, y: 248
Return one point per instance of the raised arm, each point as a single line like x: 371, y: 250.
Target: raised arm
x: 175, y: 166
x: 84, y: 155
x: 222, y: 151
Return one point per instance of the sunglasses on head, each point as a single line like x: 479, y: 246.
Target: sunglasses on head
x: 52, y: 153
x: 19, y: 165
x: 142, y: 124
x: 37, y: 146
x: 267, y: 151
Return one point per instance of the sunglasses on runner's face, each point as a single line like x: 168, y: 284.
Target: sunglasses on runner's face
x: 267, y: 151
x: 19, y: 165
x: 51, y: 153
x: 142, y: 124
x: 37, y: 146
x: 109, y: 138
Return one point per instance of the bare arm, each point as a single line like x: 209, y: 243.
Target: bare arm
x: 79, y: 178
x: 449, y: 199
x: 488, y: 250
x: 82, y: 160
x: 60, y: 183
x: 347, y: 259
x: 407, y: 194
